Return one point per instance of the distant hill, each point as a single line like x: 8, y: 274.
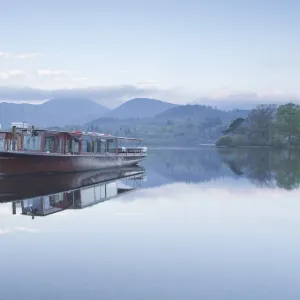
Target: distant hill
x: 180, y: 125
x: 55, y: 112
x: 139, y: 108
x: 200, y: 112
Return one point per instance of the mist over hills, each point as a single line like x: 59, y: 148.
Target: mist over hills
x: 55, y: 112
x: 77, y: 110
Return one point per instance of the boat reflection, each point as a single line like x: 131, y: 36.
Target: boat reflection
x: 93, y: 190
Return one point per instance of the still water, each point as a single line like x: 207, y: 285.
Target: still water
x: 187, y: 224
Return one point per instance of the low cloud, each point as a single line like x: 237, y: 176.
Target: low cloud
x: 247, y: 100
x: 18, y: 229
x: 51, y: 73
x: 112, y: 96
x: 11, y: 73
x: 26, y: 55
x: 19, y: 55
x: 147, y: 82
x: 80, y: 79
x: 4, y: 55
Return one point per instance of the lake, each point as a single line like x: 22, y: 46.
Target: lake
x: 188, y: 224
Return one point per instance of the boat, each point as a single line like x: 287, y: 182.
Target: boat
x: 28, y: 150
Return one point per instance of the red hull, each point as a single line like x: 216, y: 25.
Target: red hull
x: 20, y: 163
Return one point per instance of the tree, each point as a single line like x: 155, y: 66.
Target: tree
x: 224, y: 141
x: 288, y: 121
x: 234, y: 126
x: 260, y: 122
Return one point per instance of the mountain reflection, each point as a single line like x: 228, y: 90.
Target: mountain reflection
x: 265, y: 167
x: 70, y: 191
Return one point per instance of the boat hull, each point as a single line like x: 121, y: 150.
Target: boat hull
x: 20, y: 163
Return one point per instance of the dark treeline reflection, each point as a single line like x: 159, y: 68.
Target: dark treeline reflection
x: 265, y: 167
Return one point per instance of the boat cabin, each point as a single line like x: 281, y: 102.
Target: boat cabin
x: 70, y: 143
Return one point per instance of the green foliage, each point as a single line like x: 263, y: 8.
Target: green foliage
x: 267, y: 125
x: 188, y: 125
x: 288, y: 122
x: 260, y: 123
x: 225, y: 141
x: 192, y: 125
x: 234, y: 126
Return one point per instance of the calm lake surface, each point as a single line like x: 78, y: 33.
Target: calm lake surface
x: 189, y: 224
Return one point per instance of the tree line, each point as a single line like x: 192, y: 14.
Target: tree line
x: 266, y: 125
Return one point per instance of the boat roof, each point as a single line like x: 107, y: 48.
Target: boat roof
x: 76, y: 132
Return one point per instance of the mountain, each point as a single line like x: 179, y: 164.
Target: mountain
x: 55, y: 112
x: 139, y: 108
x: 200, y: 112
x: 180, y: 125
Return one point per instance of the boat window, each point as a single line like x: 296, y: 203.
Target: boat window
x: 111, y: 145
x: 87, y: 144
x: 60, y: 145
x: 49, y: 144
x: 32, y: 142
x: 19, y: 142
x: 2, y: 144
x: 100, y: 146
x: 72, y: 146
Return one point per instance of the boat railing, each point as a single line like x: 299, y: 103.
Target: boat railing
x: 132, y: 151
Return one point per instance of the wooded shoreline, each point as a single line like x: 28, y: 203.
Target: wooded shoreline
x: 265, y: 126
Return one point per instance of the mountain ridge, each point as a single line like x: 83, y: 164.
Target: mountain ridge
x: 139, y: 108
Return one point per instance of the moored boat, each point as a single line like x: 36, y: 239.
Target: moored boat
x: 27, y: 150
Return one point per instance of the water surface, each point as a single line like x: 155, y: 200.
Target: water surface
x: 193, y: 224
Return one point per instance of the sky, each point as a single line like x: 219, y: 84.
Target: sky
x: 179, y: 51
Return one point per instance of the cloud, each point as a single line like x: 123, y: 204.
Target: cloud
x: 11, y: 73
x: 147, y: 82
x: 51, y: 73
x: 19, y: 55
x: 4, y: 55
x: 18, y: 229
x: 26, y: 55
x: 3, y: 76
x: 124, y: 71
x: 80, y: 79
x: 26, y: 229
x: 112, y: 96
x: 247, y: 100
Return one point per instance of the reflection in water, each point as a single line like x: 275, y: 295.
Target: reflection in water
x: 117, y: 182
x: 261, y: 166
x: 191, y: 165
x: 265, y: 167
x: 221, y: 237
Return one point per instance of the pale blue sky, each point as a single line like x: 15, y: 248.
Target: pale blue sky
x: 193, y: 48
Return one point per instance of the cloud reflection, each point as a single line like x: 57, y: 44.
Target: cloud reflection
x: 19, y: 229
